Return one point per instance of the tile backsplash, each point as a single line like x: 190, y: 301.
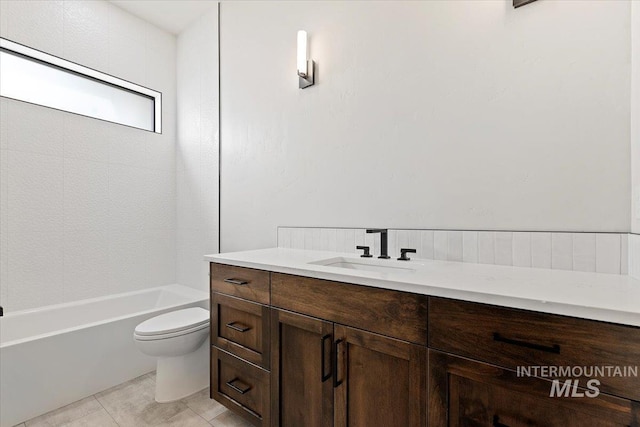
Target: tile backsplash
x: 591, y: 252
x: 634, y: 256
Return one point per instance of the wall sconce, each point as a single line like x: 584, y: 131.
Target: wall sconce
x: 518, y: 3
x: 305, y: 66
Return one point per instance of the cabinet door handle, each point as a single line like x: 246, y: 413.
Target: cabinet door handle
x: 237, y: 327
x: 241, y: 390
x: 336, y: 348
x: 497, y: 423
x: 555, y: 348
x: 238, y: 282
x: 324, y: 376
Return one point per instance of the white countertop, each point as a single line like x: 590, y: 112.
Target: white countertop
x: 605, y: 297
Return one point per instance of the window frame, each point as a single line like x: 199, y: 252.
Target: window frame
x: 53, y: 61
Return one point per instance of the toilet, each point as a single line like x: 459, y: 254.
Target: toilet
x: 179, y: 340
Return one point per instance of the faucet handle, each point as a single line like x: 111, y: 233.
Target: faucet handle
x: 404, y: 252
x: 366, y: 253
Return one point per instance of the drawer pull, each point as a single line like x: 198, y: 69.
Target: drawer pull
x: 238, y: 282
x: 497, y: 423
x: 241, y: 390
x: 324, y: 376
x: 336, y: 348
x: 237, y: 327
x: 555, y: 348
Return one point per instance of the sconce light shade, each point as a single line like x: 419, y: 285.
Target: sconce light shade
x: 304, y: 65
x: 302, y: 53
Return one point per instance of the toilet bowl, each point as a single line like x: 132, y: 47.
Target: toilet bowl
x: 179, y: 340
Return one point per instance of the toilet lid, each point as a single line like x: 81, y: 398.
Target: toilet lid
x: 174, y: 321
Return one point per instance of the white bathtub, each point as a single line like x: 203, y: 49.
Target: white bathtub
x: 55, y: 355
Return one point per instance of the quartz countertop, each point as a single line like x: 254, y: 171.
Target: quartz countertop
x: 604, y: 297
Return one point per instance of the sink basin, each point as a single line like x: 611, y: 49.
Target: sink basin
x: 364, y: 264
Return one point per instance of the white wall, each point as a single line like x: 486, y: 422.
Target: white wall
x: 452, y: 114
x: 197, y: 149
x: 635, y: 116
x: 87, y: 207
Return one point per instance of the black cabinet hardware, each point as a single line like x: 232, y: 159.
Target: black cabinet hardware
x: 323, y: 350
x: 404, y: 252
x: 238, y: 282
x: 336, y: 349
x: 238, y: 327
x: 243, y: 387
x: 555, y: 348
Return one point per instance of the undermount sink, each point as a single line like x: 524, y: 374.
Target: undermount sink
x: 364, y: 264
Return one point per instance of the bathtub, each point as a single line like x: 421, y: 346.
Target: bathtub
x: 54, y: 355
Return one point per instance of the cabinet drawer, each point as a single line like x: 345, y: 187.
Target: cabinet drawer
x: 512, y: 338
x: 240, y: 386
x: 241, y: 327
x: 241, y: 282
x: 467, y: 393
x: 396, y: 314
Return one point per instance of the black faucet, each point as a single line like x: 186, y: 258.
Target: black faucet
x: 404, y: 252
x: 383, y: 241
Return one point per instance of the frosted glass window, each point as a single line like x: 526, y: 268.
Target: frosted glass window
x: 39, y: 78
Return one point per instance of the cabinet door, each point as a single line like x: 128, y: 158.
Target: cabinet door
x: 463, y: 392
x: 302, y: 391
x: 379, y: 381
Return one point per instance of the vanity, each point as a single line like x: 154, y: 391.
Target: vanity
x: 307, y: 338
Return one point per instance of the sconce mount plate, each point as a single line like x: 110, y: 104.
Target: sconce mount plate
x: 518, y: 3
x: 309, y: 79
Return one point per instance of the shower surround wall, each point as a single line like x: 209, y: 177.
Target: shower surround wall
x: 87, y: 207
x: 197, y: 149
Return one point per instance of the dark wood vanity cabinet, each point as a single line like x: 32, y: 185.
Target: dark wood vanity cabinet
x: 510, y: 338
x: 333, y: 375
x: 301, y: 386
x: 380, y: 381
x: 296, y: 352
x: 464, y: 392
x: 329, y: 374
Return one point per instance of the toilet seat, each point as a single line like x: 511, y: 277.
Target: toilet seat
x: 173, y: 324
x: 158, y: 337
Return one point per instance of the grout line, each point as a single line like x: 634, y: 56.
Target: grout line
x: 205, y: 420
x: 95, y: 396
x: 219, y: 141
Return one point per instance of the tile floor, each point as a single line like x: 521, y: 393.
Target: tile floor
x: 132, y: 404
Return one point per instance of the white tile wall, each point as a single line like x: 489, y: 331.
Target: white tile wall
x: 470, y: 246
x: 541, y: 250
x: 591, y: 252
x: 584, y: 252
x: 521, y: 249
x: 634, y: 255
x: 197, y: 150
x: 87, y: 208
x: 486, y: 247
x: 608, y: 253
x: 504, y: 248
x: 562, y: 251
x: 625, y: 253
x: 440, y: 245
